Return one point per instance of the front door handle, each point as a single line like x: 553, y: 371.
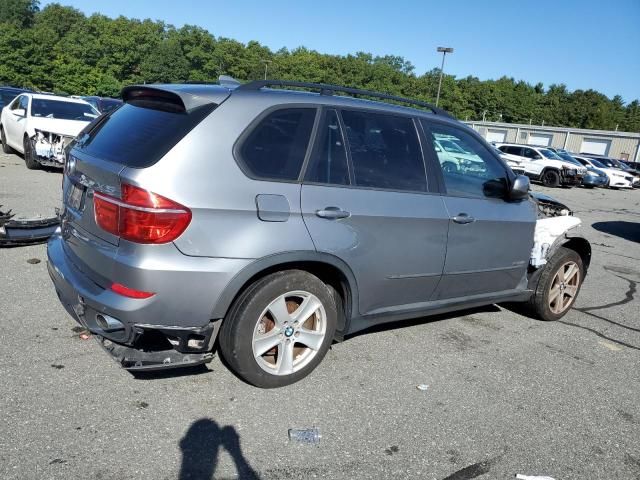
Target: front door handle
x: 332, y: 213
x: 463, y: 218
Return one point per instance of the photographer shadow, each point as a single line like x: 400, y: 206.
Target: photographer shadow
x: 200, y: 449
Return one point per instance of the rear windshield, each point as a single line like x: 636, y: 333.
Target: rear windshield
x: 137, y: 136
x: 62, y: 110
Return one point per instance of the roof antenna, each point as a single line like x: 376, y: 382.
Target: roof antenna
x: 227, y: 81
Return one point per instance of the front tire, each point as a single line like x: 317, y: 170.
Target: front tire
x: 29, y: 155
x: 558, y: 285
x: 551, y: 178
x: 5, y: 148
x: 279, y: 329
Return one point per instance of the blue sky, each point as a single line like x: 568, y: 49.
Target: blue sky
x: 583, y: 44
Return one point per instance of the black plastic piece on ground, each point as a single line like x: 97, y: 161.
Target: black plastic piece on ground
x: 15, y: 233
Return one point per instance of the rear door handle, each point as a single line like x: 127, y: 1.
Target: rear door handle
x: 463, y: 218
x: 332, y: 213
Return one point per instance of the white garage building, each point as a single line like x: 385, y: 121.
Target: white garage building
x: 622, y: 145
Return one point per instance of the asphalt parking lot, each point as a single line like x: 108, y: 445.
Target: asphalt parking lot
x: 506, y: 394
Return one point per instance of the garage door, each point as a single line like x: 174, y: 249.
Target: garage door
x: 498, y: 136
x: 597, y: 146
x: 540, y: 139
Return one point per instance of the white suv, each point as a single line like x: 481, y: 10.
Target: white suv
x: 542, y: 164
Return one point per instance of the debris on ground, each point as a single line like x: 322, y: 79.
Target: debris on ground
x: 305, y: 435
x: 14, y: 233
x: 34, y: 261
x: 422, y: 387
x: 85, y: 335
x: 533, y: 477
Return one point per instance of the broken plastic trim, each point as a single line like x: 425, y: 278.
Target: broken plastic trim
x: 15, y: 233
x: 49, y: 148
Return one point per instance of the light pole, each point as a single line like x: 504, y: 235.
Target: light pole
x: 444, y: 51
x: 266, y: 65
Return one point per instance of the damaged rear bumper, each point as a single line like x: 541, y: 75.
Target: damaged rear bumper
x: 134, y: 346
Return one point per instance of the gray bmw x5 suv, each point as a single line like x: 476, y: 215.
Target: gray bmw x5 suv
x: 265, y: 223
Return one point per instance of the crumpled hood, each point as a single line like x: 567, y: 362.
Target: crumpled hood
x: 69, y: 128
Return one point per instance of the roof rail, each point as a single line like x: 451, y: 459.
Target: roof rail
x: 327, y: 89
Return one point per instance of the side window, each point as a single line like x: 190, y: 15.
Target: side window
x: 528, y: 153
x: 329, y: 161
x: 16, y: 103
x: 276, y: 147
x: 385, y: 152
x: 24, y: 103
x: 474, y: 173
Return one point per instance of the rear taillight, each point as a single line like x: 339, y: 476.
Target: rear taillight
x: 140, y: 216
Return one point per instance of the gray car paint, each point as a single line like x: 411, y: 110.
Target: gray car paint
x: 392, y: 248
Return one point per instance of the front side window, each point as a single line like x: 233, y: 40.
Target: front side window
x: 385, y: 152
x: 549, y: 154
x: 476, y: 173
x: 329, y: 161
x: 276, y: 147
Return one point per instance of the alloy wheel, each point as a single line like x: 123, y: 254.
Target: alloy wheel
x: 289, y: 333
x: 564, y: 287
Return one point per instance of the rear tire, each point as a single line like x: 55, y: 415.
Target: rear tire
x: 551, y: 178
x: 29, y: 155
x: 5, y: 148
x: 558, y: 285
x: 279, y: 329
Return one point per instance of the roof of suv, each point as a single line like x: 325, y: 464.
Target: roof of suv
x: 195, y: 95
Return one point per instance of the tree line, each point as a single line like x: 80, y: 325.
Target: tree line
x: 61, y: 50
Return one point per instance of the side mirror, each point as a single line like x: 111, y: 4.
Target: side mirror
x: 21, y: 112
x: 520, y: 188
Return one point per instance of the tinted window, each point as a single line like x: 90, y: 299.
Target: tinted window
x: 136, y: 136
x: 329, y: 161
x: 476, y: 173
x: 62, y: 110
x: 6, y: 96
x: 385, y: 152
x: 275, y: 149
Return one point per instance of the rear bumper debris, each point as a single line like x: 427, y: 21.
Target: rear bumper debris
x: 15, y: 233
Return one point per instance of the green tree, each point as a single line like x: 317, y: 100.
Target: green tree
x: 18, y: 12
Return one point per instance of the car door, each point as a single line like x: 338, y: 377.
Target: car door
x: 15, y: 124
x: 367, y: 201
x: 533, y: 160
x: 490, y: 238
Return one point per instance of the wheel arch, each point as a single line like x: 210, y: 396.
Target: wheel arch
x: 578, y: 244
x: 330, y: 269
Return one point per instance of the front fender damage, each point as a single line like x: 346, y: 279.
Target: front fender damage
x: 550, y: 234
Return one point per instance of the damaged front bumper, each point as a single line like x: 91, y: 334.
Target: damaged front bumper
x: 49, y: 148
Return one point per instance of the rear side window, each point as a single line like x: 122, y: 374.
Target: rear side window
x: 329, y: 161
x: 138, y: 136
x: 385, y: 151
x: 276, y: 147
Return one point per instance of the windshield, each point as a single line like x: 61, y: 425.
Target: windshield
x: 452, y: 147
x: 606, y: 162
x: 597, y: 164
x: 621, y: 165
x: 61, y: 110
x: 549, y: 154
x: 568, y: 158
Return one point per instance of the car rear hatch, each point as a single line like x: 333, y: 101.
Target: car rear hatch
x: 152, y: 120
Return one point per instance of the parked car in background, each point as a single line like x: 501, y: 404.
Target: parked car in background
x: 618, y: 165
x: 284, y: 220
x: 102, y: 104
x: 7, y: 94
x: 617, y: 178
x: 543, y: 165
x: 593, y: 177
x: 41, y: 126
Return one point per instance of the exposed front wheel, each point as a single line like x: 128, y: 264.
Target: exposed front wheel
x: 279, y: 329
x: 551, y: 178
x: 29, y: 155
x: 558, y: 285
x: 5, y: 148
